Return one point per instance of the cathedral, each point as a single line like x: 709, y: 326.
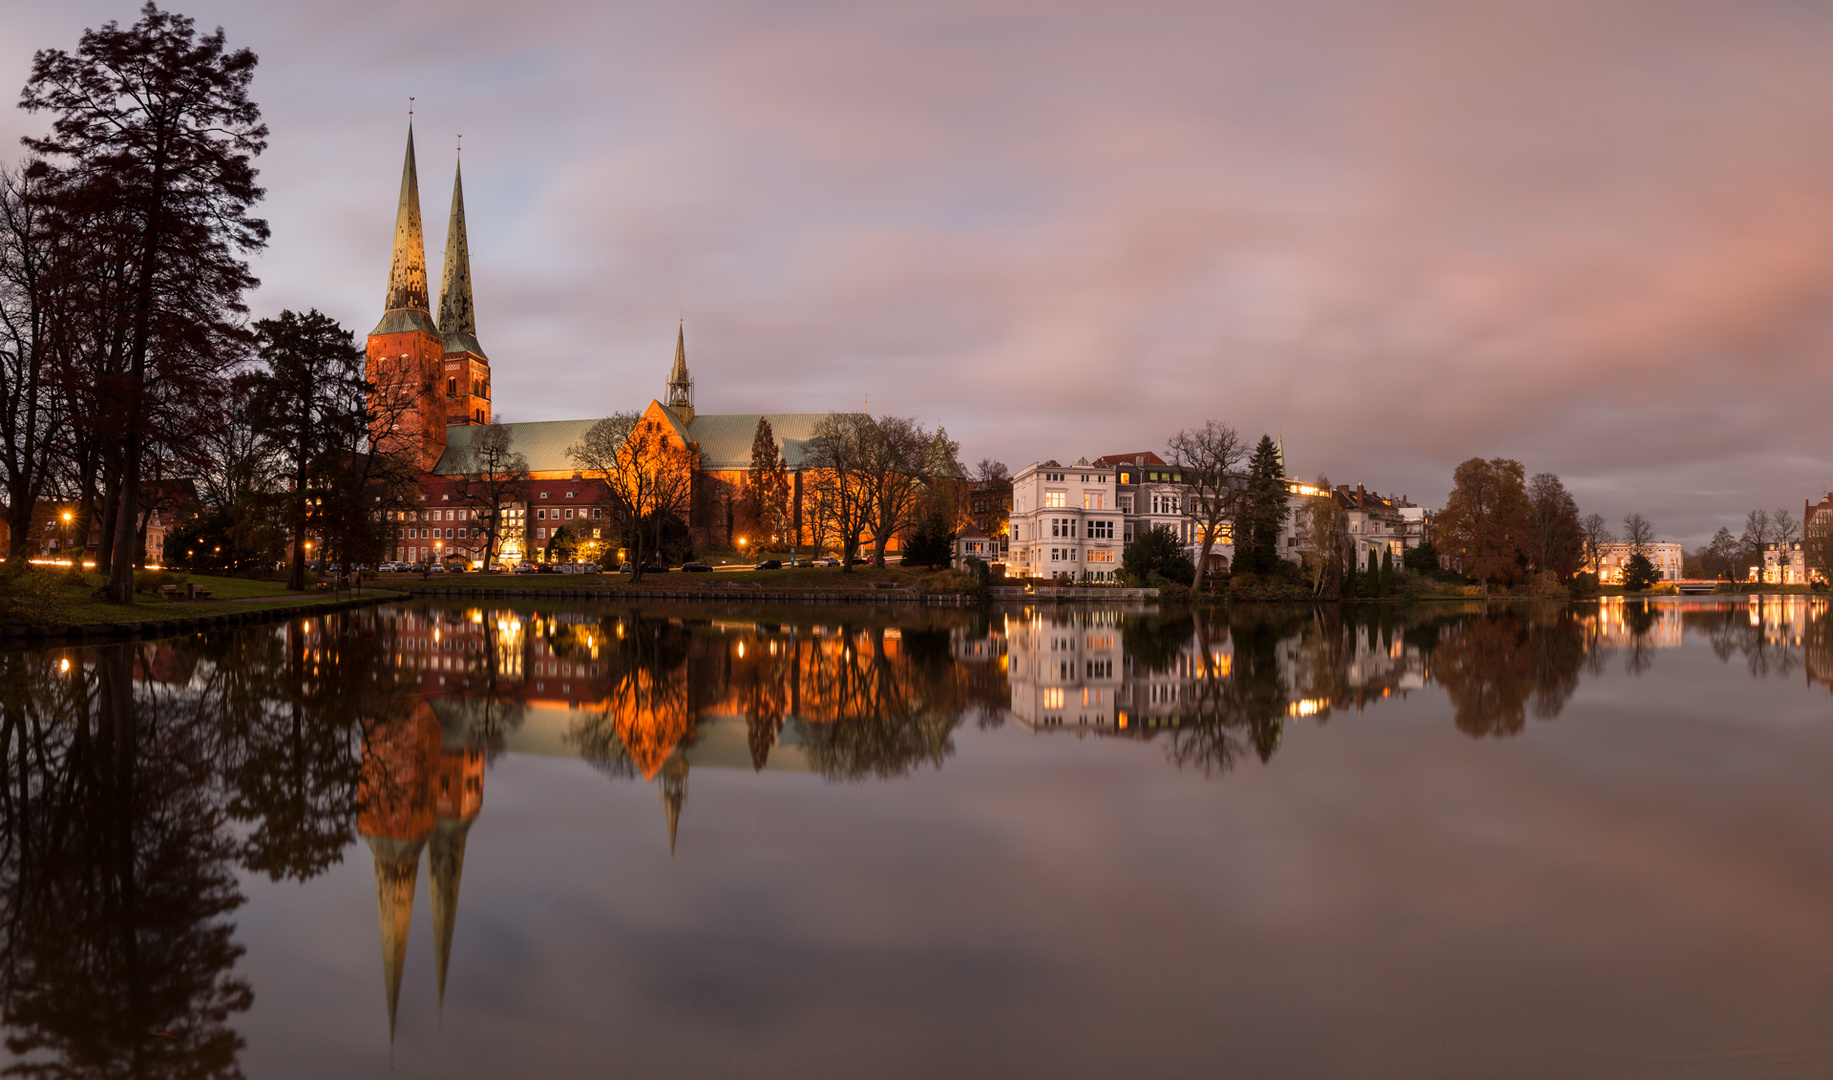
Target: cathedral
x: 432, y: 395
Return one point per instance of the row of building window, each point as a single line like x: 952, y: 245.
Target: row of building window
x: 1069, y: 555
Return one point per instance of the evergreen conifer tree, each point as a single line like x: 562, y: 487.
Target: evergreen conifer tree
x: 1262, y: 514
x: 1387, y: 573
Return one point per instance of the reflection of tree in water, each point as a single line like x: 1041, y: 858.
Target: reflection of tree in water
x: 116, y: 878
x: 1730, y: 633
x: 288, y: 712
x: 1500, y: 666
x: 644, y: 681
x: 1235, y: 703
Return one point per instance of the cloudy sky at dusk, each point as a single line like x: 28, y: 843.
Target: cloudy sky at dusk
x: 1597, y: 237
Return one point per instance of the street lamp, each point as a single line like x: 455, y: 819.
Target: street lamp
x: 73, y: 561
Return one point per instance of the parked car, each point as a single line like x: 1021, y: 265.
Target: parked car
x: 625, y: 568
x: 696, y: 568
x: 528, y: 568
x: 436, y: 568
x: 769, y: 564
x: 827, y: 560
x: 655, y: 568
x: 546, y: 568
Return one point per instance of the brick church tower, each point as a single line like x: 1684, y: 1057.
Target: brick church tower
x: 406, y: 350
x: 426, y: 379
x: 467, y: 369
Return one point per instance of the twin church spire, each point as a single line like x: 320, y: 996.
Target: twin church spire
x: 408, y: 303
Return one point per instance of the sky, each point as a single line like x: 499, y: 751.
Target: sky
x: 1596, y: 237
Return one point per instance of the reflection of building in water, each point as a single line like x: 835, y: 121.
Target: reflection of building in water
x: 1068, y: 669
x: 416, y: 789
x: 1071, y: 671
x: 1618, y: 624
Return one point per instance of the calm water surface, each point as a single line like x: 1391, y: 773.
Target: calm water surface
x: 580, y: 840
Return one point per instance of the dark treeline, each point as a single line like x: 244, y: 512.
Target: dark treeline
x: 131, y: 381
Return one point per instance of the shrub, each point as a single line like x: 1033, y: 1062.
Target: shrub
x: 150, y: 581
x: 1666, y: 588
x: 1157, y: 551
x: 32, y: 596
x: 978, y: 570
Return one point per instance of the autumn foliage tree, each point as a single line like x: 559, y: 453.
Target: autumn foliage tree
x: 150, y: 158
x: 1487, y: 524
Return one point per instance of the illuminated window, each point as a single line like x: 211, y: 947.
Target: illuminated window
x: 1053, y: 697
x: 1092, y: 500
x: 1056, y: 499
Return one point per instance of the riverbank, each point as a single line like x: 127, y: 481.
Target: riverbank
x: 821, y: 584
x: 67, y: 609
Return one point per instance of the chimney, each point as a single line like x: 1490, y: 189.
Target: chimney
x: 1359, y: 496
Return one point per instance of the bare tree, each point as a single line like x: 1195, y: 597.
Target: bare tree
x: 30, y: 420
x: 1784, y: 527
x: 648, y: 474
x: 1638, y: 533
x: 1758, y: 532
x: 492, y: 474
x: 893, y: 478
x: 1209, y: 459
x: 838, y: 462
x: 1596, y: 533
x: 989, y: 471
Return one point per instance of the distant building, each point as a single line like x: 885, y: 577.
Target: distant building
x: 1066, y: 522
x: 1783, y: 564
x: 1816, y: 520
x: 1612, y: 558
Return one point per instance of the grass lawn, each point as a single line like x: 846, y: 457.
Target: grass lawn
x: 226, y: 594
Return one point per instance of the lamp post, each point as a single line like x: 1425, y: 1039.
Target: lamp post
x: 73, y: 562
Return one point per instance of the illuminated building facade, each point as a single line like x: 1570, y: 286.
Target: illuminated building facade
x: 433, y: 395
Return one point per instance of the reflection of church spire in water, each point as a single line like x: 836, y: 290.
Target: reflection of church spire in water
x: 674, y: 793
x: 445, y: 866
x: 397, y: 872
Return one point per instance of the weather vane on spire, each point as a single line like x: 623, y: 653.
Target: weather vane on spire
x: 410, y: 108
x: 461, y: 144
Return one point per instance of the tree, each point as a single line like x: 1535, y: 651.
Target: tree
x: 1209, y: 458
x: 648, y: 476
x: 932, y: 543
x: 1323, y: 541
x: 1260, y: 517
x: 1421, y: 558
x: 561, y: 545
x: 1387, y: 573
x: 310, y: 406
x: 1596, y: 533
x: 898, y: 462
x: 1558, y: 537
x: 492, y: 475
x: 1784, y: 528
x: 766, y: 496
x: 989, y: 472
x: 1155, y: 551
x: 30, y: 418
x: 1487, y: 523
x: 839, y: 457
x: 1638, y: 533
x: 1719, y: 557
x: 1639, y: 573
x: 1758, y: 532
x: 154, y: 134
